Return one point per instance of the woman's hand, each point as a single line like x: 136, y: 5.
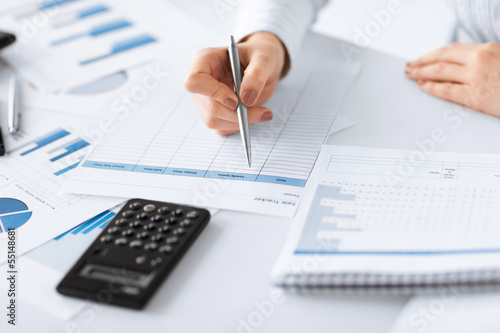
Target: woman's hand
x: 209, y: 78
x: 464, y: 74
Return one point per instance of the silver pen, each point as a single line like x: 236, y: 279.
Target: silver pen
x: 13, y: 110
x: 234, y: 59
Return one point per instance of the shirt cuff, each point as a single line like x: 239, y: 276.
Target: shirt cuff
x: 289, y: 20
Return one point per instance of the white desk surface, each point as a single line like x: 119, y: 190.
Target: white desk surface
x: 226, y: 271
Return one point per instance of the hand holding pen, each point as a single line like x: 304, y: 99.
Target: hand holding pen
x: 210, y: 79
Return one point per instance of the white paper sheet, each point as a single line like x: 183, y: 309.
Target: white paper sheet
x: 450, y: 311
x: 396, y: 213
x: 38, y: 162
x: 165, y: 151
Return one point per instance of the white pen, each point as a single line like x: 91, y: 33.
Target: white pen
x: 13, y: 110
x: 234, y: 58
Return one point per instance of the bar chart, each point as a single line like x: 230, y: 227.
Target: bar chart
x: 89, y: 40
x: 95, y: 31
x: 58, y: 150
x: 62, y: 252
x: 78, y: 15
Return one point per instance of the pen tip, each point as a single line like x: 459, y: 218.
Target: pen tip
x: 232, y: 40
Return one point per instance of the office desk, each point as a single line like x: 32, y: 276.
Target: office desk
x: 223, y: 279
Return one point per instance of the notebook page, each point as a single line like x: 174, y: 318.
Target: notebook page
x: 387, y: 211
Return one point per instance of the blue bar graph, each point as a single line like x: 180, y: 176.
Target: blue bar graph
x: 66, y: 169
x: 52, y: 3
x: 96, y: 31
x: 64, y: 145
x: 71, y: 148
x: 91, y: 11
x: 45, y: 5
x: 81, y: 15
x: 100, y: 220
x: 45, y: 140
x: 122, y: 47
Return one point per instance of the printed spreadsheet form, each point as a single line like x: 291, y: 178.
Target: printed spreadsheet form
x: 167, y: 153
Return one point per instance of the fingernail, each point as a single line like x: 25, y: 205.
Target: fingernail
x: 266, y: 116
x: 408, y: 69
x: 231, y: 103
x: 420, y: 82
x: 248, y: 97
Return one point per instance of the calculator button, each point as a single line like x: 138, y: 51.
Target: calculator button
x: 121, y: 241
x: 121, y: 222
x: 192, y: 214
x: 106, y: 239
x: 150, y: 226
x: 164, y: 229
x: 143, y: 235
x: 140, y: 260
x: 150, y: 246
x: 178, y: 212
x: 128, y: 233
x: 135, y: 224
x: 113, y: 230
x: 186, y: 223
x: 163, y: 210
x: 172, y: 220
x: 135, y: 205
x: 149, y: 208
x: 156, y: 261
x: 172, y: 240
x: 157, y: 238
x: 157, y: 218
x: 142, y: 216
x: 135, y: 244
x: 178, y: 231
x: 128, y: 213
x: 165, y: 249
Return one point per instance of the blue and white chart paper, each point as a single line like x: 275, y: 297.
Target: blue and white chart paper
x: 166, y: 152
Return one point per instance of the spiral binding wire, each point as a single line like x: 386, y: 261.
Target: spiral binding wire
x: 391, y: 284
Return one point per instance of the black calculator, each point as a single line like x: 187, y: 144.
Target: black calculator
x: 134, y: 253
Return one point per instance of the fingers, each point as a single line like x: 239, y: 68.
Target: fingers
x: 255, y: 78
x: 439, y: 71
x: 452, y: 92
x: 456, y: 53
x: 224, y: 120
x: 200, y: 79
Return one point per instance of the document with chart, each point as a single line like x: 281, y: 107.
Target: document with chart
x: 384, y: 216
x: 39, y: 160
x: 63, y: 43
x: 50, y: 262
x: 165, y: 151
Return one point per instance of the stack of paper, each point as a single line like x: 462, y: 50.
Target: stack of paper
x: 375, y: 218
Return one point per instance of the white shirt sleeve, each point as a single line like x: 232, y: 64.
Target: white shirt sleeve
x: 287, y: 19
x: 478, y: 21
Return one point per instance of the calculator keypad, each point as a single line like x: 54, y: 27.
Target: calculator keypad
x: 149, y: 227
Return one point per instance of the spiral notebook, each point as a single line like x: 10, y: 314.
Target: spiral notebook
x: 374, y: 219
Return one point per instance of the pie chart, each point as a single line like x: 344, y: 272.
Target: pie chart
x: 13, y: 214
